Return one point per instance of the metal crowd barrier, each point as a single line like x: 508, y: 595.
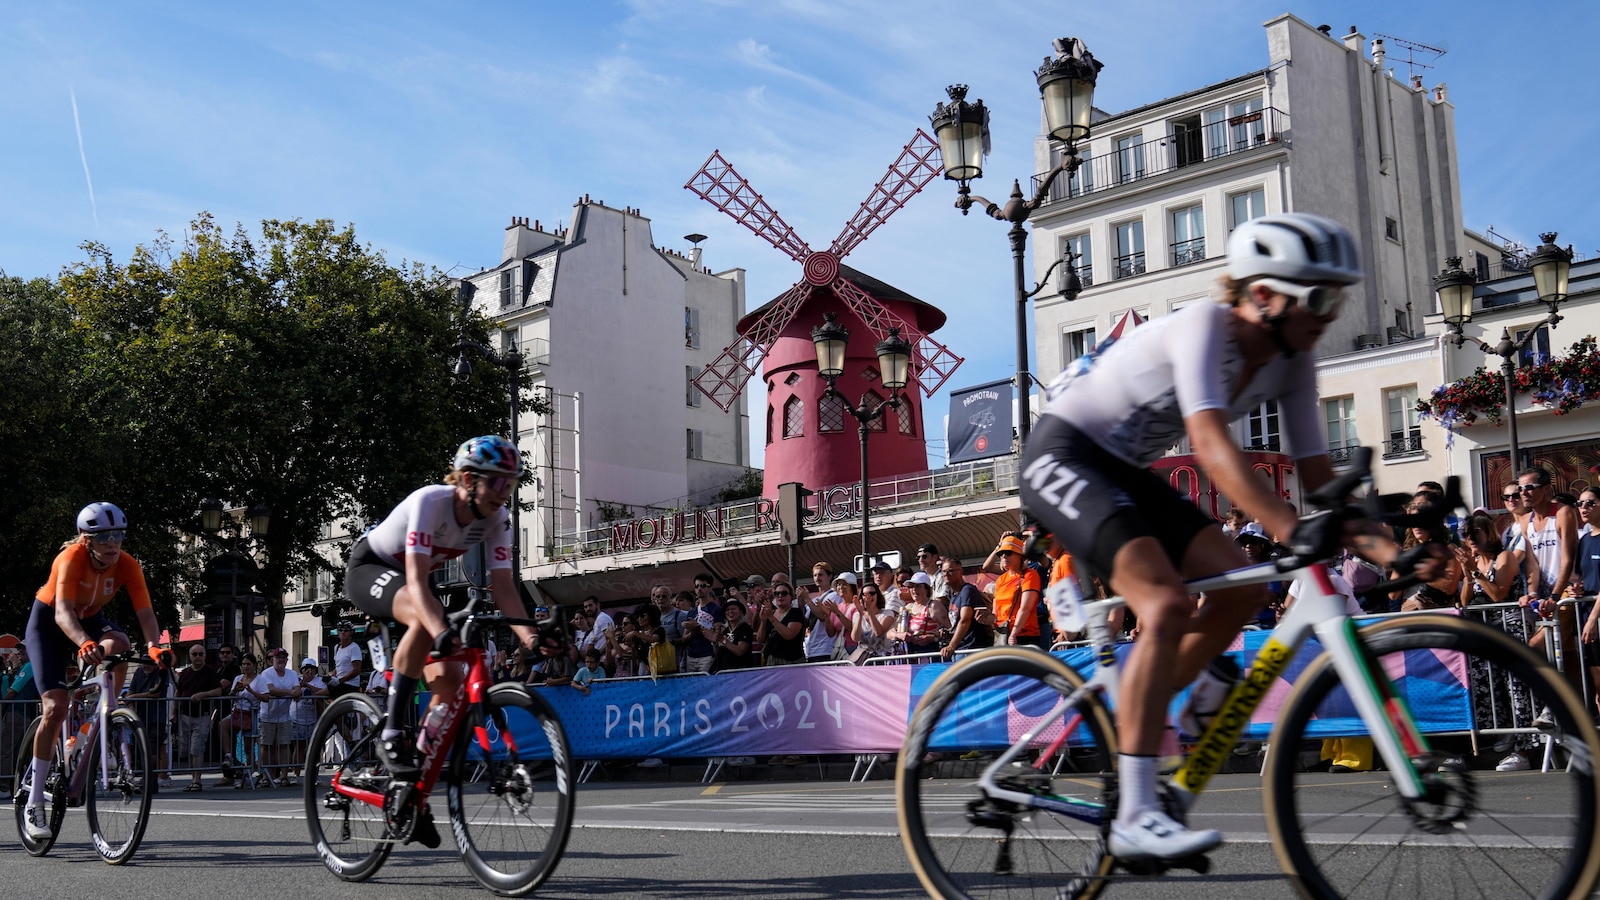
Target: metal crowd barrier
x: 168, y: 724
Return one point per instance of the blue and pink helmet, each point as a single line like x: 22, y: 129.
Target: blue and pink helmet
x: 489, y: 453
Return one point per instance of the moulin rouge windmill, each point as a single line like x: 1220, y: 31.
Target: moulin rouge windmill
x: 807, y: 440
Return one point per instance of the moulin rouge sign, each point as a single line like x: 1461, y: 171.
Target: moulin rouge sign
x: 834, y: 504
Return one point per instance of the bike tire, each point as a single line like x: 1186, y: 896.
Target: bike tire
x: 120, y: 812
x: 1393, y: 852
x: 349, y: 833
x: 56, y: 792
x: 510, y: 825
x: 955, y: 855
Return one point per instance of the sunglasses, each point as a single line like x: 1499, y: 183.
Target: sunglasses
x: 1319, y: 299
x: 108, y: 537
x: 1529, y: 488
x: 782, y: 594
x: 495, y: 483
x: 1585, y: 504
x: 1511, y: 496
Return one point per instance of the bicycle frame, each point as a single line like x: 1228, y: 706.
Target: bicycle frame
x: 1319, y: 610
x: 97, y: 733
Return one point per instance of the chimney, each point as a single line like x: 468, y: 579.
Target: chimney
x: 1441, y: 92
x: 1326, y: 29
x: 1416, y: 82
x: 1355, y: 40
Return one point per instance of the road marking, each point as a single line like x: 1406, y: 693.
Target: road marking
x: 711, y: 790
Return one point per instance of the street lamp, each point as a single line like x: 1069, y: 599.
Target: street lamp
x: 1551, y: 266
x: 511, y: 361
x: 234, y: 560
x: 894, y: 367
x: 1066, y: 88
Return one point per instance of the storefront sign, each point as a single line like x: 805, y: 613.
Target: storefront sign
x: 832, y: 504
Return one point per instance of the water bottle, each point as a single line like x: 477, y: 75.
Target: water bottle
x: 432, y: 727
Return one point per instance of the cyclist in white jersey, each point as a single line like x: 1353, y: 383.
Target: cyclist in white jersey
x: 387, y: 576
x: 1086, y: 477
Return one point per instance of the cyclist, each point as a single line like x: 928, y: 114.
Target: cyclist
x: 387, y: 578
x: 66, y: 620
x: 1086, y: 476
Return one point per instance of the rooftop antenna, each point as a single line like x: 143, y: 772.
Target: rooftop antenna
x: 1412, y: 48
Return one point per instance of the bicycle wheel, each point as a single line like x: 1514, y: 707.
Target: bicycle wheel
x: 1477, y: 833
x: 347, y: 827
x: 119, y: 811
x: 965, y: 845
x: 511, y: 810
x: 55, y: 792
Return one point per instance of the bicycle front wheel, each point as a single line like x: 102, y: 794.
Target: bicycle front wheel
x: 1477, y: 832
x: 344, y: 787
x: 55, y: 793
x: 966, y: 844
x: 511, y: 808
x: 119, y: 810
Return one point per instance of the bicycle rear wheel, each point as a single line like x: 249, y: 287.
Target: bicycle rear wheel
x: 511, y: 810
x: 955, y: 836
x: 347, y: 826
x: 55, y: 793
x: 119, y: 811
x: 1478, y: 833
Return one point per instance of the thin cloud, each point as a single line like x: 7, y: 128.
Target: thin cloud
x: 93, y: 207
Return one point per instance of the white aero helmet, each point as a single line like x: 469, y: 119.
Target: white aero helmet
x: 98, y: 517
x: 1295, y: 246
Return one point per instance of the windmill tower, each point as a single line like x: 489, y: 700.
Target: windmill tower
x: 812, y: 439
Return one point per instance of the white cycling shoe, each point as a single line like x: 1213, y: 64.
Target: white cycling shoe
x: 1155, y: 835
x: 36, y: 821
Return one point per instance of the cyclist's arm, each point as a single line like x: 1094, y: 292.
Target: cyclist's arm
x: 149, y: 625
x: 1224, y: 462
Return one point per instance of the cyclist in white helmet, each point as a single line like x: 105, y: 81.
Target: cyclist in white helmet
x: 1086, y: 476
x: 387, y: 576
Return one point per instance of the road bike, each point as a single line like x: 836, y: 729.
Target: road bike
x: 102, y: 763
x: 1035, y: 819
x: 501, y: 753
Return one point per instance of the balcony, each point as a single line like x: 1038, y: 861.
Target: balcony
x: 1187, y: 253
x: 1402, y: 446
x: 1128, y: 266
x: 1137, y: 162
x: 1341, y: 456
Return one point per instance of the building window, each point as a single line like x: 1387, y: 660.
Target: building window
x: 1130, y: 157
x: 1405, y: 431
x: 1188, y: 235
x: 1076, y: 344
x: 904, y: 412
x: 830, y: 414
x: 1188, y: 144
x: 1130, y: 249
x: 872, y: 399
x: 691, y: 328
x: 794, y: 418
x: 1081, y: 245
x: 1081, y: 181
x: 1480, y: 264
x: 506, y: 288
x: 1262, y: 425
x: 1340, y: 413
x: 691, y: 392
x: 1536, y: 349
x: 769, y: 423
x: 1391, y: 229
x: 793, y: 379
x: 693, y: 439
x: 1248, y: 205
x: 301, y: 644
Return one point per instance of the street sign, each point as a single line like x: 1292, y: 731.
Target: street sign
x: 889, y: 557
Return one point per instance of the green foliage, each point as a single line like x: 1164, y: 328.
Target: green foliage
x: 746, y: 487
x: 300, y: 370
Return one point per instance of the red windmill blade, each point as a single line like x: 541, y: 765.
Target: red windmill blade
x: 719, y: 184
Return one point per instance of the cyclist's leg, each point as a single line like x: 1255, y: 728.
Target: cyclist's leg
x: 50, y: 650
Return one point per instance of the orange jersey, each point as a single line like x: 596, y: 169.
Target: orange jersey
x: 1008, y: 588
x: 1062, y: 568
x: 74, y: 576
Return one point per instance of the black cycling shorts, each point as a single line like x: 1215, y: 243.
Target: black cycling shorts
x: 1095, y: 503
x: 370, y: 582
x: 50, y: 649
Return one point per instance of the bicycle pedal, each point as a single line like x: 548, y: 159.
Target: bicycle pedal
x: 1200, y: 864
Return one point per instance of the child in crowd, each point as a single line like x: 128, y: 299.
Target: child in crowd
x: 589, y: 671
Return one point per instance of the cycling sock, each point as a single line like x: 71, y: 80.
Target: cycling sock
x: 1136, y: 785
x: 41, y: 771
x: 401, y: 690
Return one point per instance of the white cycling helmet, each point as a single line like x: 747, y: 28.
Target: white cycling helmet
x: 98, y: 517
x: 1295, y: 246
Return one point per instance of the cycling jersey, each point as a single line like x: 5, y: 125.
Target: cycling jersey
x: 74, y: 576
x: 425, y: 523
x: 1133, y: 400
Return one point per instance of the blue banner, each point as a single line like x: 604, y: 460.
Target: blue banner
x: 980, y: 422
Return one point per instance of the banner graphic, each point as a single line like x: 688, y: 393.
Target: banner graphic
x: 980, y: 422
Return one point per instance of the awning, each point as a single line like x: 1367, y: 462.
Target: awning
x: 186, y: 634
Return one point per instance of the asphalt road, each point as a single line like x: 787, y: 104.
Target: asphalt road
x: 632, y: 840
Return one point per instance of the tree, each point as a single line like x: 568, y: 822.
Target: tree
x: 302, y: 371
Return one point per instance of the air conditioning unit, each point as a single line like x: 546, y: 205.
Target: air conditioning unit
x: 1398, y: 335
x: 1369, y: 341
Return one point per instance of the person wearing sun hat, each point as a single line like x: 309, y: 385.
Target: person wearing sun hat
x: 1016, y: 592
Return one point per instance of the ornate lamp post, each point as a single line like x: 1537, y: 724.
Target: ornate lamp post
x: 233, y: 561
x: 1066, y: 88
x: 1551, y: 267
x: 894, y: 364
x: 511, y: 361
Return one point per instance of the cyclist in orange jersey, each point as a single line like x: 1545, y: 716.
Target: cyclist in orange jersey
x: 66, y: 621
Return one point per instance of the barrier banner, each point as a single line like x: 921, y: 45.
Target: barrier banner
x: 812, y: 710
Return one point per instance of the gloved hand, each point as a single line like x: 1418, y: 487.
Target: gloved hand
x: 447, y: 643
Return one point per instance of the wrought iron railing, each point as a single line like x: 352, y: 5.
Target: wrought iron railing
x: 1402, y: 445
x: 1187, y: 253
x: 1130, y: 265
x: 1342, y: 455
x: 1271, y: 445
x: 1136, y: 162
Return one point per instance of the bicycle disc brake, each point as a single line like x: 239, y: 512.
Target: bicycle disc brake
x: 514, y: 784
x: 1449, y: 795
x: 399, y: 812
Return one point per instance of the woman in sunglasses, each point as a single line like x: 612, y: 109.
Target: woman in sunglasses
x: 1086, y: 475
x: 66, y: 621
x: 387, y: 577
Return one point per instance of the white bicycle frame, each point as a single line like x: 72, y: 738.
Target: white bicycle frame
x: 97, y: 732
x: 1317, y: 609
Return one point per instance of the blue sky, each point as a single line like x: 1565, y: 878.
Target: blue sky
x: 428, y: 125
